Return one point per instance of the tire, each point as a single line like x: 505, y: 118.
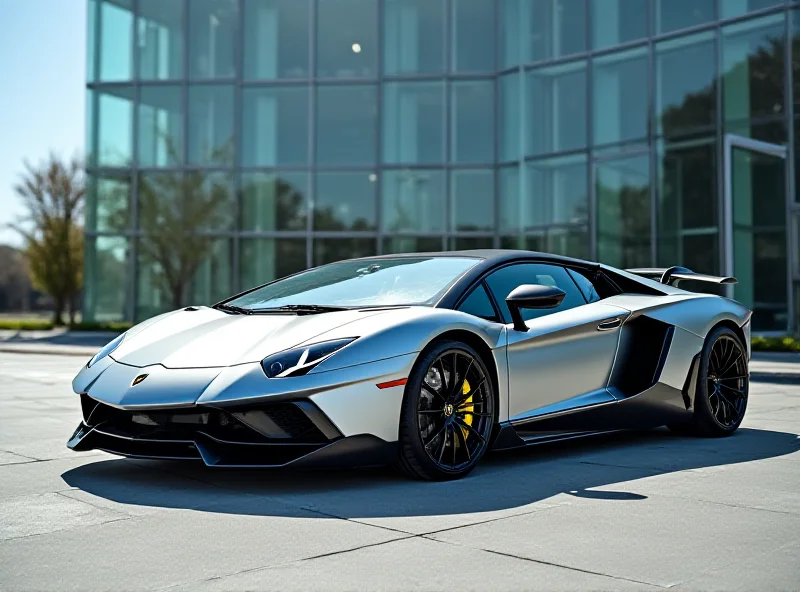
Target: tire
x: 447, y: 418
x: 722, y: 388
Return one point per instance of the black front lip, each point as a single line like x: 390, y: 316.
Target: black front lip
x: 360, y: 450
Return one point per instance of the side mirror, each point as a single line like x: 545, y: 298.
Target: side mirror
x: 532, y: 296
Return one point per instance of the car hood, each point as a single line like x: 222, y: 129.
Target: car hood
x: 210, y: 338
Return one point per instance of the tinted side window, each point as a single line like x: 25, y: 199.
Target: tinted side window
x: 504, y: 280
x: 479, y: 305
x: 586, y: 286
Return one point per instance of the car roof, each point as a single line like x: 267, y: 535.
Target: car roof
x: 489, y: 256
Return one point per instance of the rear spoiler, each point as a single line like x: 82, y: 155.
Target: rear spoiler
x: 672, y: 275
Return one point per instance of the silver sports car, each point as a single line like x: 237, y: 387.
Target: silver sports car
x: 426, y: 360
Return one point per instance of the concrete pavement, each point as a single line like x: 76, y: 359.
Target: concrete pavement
x: 637, y: 511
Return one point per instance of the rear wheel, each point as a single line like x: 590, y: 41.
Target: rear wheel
x: 722, y: 386
x: 448, y: 413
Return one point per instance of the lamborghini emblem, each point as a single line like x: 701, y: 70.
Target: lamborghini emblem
x: 139, y: 379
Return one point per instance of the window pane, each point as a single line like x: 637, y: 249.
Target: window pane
x: 472, y: 204
x: 347, y: 39
x: 159, y: 32
x: 623, y: 211
x: 473, y: 36
x: 106, y: 282
x: 328, y: 250
x: 759, y: 237
x: 346, y: 122
x: 91, y: 39
x: 166, y: 281
x: 587, y: 288
x: 732, y: 8
x: 412, y: 244
x: 212, y: 32
x: 272, y: 202
x: 511, y: 138
x: 686, y: 97
x: 571, y: 241
x: 213, y: 278
x: 413, y: 122
x: 553, y: 28
x: 552, y: 191
x: 116, y: 40
x: 472, y: 125
x: 108, y: 202
x: 160, y: 126
x: 275, y: 130
x: 413, y: 36
x: 413, y: 201
x: 556, y: 108
x: 753, y: 69
x: 115, y: 127
x: 503, y: 281
x: 618, y: 21
x: 620, y: 97
x: 276, y: 39
x: 211, y: 125
x: 177, y: 206
x: 468, y: 243
x: 478, y: 304
x: 687, y: 200
x: 262, y: 260
x: 671, y: 15
x: 345, y: 201
x: 536, y: 30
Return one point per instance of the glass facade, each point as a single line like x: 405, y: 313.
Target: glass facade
x: 232, y: 142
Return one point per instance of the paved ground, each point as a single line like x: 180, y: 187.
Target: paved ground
x: 633, y: 512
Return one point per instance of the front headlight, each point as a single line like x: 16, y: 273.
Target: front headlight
x: 110, y: 347
x: 298, y: 361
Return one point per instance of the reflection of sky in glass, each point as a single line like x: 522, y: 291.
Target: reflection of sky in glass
x: 413, y: 283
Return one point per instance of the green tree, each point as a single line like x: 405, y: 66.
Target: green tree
x: 53, y: 195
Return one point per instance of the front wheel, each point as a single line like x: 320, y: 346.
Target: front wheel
x: 448, y: 413
x: 722, y: 386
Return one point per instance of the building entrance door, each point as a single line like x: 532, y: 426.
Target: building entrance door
x: 755, y: 209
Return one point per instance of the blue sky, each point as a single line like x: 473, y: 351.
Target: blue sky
x: 42, y: 90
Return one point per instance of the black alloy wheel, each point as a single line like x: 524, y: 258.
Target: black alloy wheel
x: 727, y: 382
x: 448, y: 413
x: 722, y: 389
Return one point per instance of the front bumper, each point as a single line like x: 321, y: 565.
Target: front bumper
x: 236, y: 416
x: 293, y: 433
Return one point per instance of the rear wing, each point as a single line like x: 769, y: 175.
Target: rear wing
x: 672, y: 275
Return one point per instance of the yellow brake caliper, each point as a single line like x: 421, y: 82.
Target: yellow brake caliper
x: 467, y: 408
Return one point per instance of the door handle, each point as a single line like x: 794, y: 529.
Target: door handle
x: 609, y: 324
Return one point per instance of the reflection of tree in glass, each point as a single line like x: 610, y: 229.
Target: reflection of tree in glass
x: 763, y: 72
x: 176, y: 211
x: 272, y: 203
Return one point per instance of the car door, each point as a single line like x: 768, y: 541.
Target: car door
x: 565, y: 358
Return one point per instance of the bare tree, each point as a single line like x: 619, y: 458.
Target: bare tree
x: 53, y: 195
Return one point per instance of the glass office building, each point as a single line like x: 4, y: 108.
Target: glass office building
x: 235, y: 141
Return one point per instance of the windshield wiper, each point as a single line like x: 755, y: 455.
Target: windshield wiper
x: 301, y: 309
x: 236, y: 309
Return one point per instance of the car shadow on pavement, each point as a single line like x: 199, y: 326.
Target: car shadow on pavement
x: 502, y: 481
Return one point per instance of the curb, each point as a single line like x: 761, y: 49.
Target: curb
x: 47, y: 351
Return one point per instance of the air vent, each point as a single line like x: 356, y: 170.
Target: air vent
x: 191, y: 308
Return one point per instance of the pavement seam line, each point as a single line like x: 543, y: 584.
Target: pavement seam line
x: 736, y: 562
x: 80, y: 501
x: 77, y: 526
x: 578, y: 569
x: 285, y: 563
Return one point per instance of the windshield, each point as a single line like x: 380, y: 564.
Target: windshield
x: 376, y: 282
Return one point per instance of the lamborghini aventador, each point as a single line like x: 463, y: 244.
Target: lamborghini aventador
x: 425, y: 360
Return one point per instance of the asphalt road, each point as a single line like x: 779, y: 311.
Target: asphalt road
x: 629, y: 512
